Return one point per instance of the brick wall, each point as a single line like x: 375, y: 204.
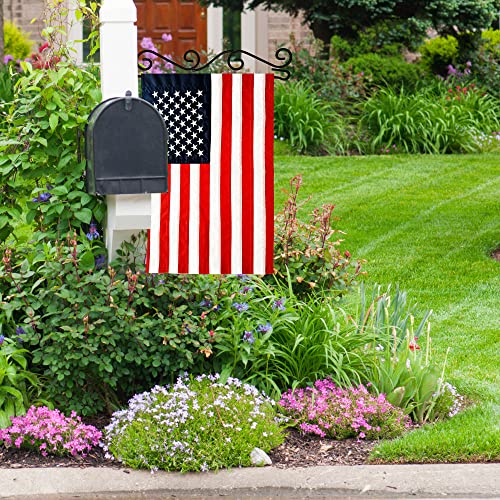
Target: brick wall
x: 21, y: 12
x: 280, y: 26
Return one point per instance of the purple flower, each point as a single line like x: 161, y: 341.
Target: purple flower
x: 279, y: 304
x: 243, y: 277
x: 2, y: 338
x: 248, y: 337
x: 44, y: 197
x: 241, y: 307
x: 35, y: 200
x: 20, y: 330
x: 246, y: 289
x: 205, y: 303
x: 7, y: 59
x: 265, y: 328
x: 93, y: 234
x: 48, y: 186
x: 166, y: 37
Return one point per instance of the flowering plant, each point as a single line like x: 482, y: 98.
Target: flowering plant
x: 159, y: 65
x: 328, y: 410
x: 51, y: 432
x: 197, y: 425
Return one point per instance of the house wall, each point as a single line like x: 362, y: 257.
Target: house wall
x: 21, y: 12
x: 279, y: 28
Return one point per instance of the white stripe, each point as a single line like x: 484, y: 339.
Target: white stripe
x: 215, y: 145
x: 259, y: 168
x: 154, y: 234
x: 175, y: 205
x: 236, y: 188
x: 194, y: 219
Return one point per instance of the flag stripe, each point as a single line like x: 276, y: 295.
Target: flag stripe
x: 175, y: 195
x: 204, y: 219
x: 269, y: 158
x: 194, y: 220
x: 259, y: 131
x: 236, y: 157
x: 185, y: 174
x: 164, y: 249
x: 153, y: 250
x: 215, y: 172
x: 247, y: 175
x: 225, y: 175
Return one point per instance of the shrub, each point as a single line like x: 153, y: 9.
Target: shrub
x: 98, y: 334
x: 275, y: 340
x: 439, y: 119
x: 196, y: 425
x: 309, y: 252
x: 49, y: 431
x: 327, y: 410
x: 16, y: 43
x: 390, y: 71
x: 401, y: 370
x: 332, y: 82
x: 19, y: 388
x: 438, y: 53
x: 42, y: 146
x: 302, y: 118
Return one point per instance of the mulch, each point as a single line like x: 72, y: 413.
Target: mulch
x: 297, y: 451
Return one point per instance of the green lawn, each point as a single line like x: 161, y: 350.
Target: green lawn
x: 427, y: 223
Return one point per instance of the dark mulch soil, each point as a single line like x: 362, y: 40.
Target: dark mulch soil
x: 496, y: 254
x: 296, y: 451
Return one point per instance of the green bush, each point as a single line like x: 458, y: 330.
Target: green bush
x: 401, y: 370
x: 390, y: 71
x: 305, y: 120
x: 42, y: 146
x: 439, y: 119
x: 16, y: 43
x: 97, y: 334
x: 196, y: 425
x: 438, y: 53
x: 491, y: 41
x: 19, y: 388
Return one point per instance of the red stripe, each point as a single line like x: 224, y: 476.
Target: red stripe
x: 269, y: 159
x: 247, y: 174
x: 204, y: 242
x: 225, y: 173
x: 165, y: 227
x: 183, y: 265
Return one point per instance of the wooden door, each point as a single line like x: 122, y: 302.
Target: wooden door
x: 185, y: 20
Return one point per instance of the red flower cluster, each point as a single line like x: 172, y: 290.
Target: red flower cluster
x: 43, y: 60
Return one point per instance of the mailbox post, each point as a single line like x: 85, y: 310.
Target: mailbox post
x: 127, y: 213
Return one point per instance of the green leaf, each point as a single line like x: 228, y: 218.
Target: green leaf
x: 87, y: 262
x: 53, y: 121
x: 84, y: 215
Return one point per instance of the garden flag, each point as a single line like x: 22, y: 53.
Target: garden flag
x: 217, y: 217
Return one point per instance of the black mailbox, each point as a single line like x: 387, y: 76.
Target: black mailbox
x: 126, y: 148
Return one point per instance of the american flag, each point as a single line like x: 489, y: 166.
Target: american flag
x: 217, y: 217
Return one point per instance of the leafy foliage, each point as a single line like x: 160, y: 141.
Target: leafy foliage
x: 16, y: 43
x: 438, y: 53
x: 42, y: 147
x: 438, y: 119
x: 381, y: 71
x: 400, y: 370
x: 308, y: 252
x: 302, y: 118
x: 196, y: 425
x: 19, y: 387
x: 348, y: 18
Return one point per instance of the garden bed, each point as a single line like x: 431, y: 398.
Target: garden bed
x: 296, y: 451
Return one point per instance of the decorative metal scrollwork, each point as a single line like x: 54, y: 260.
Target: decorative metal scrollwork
x: 233, y: 60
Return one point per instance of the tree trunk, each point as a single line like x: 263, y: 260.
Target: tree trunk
x: 1, y: 33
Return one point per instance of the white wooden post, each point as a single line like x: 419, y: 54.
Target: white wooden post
x: 127, y: 214
x: 255, y: 38
x: 215, y: 34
